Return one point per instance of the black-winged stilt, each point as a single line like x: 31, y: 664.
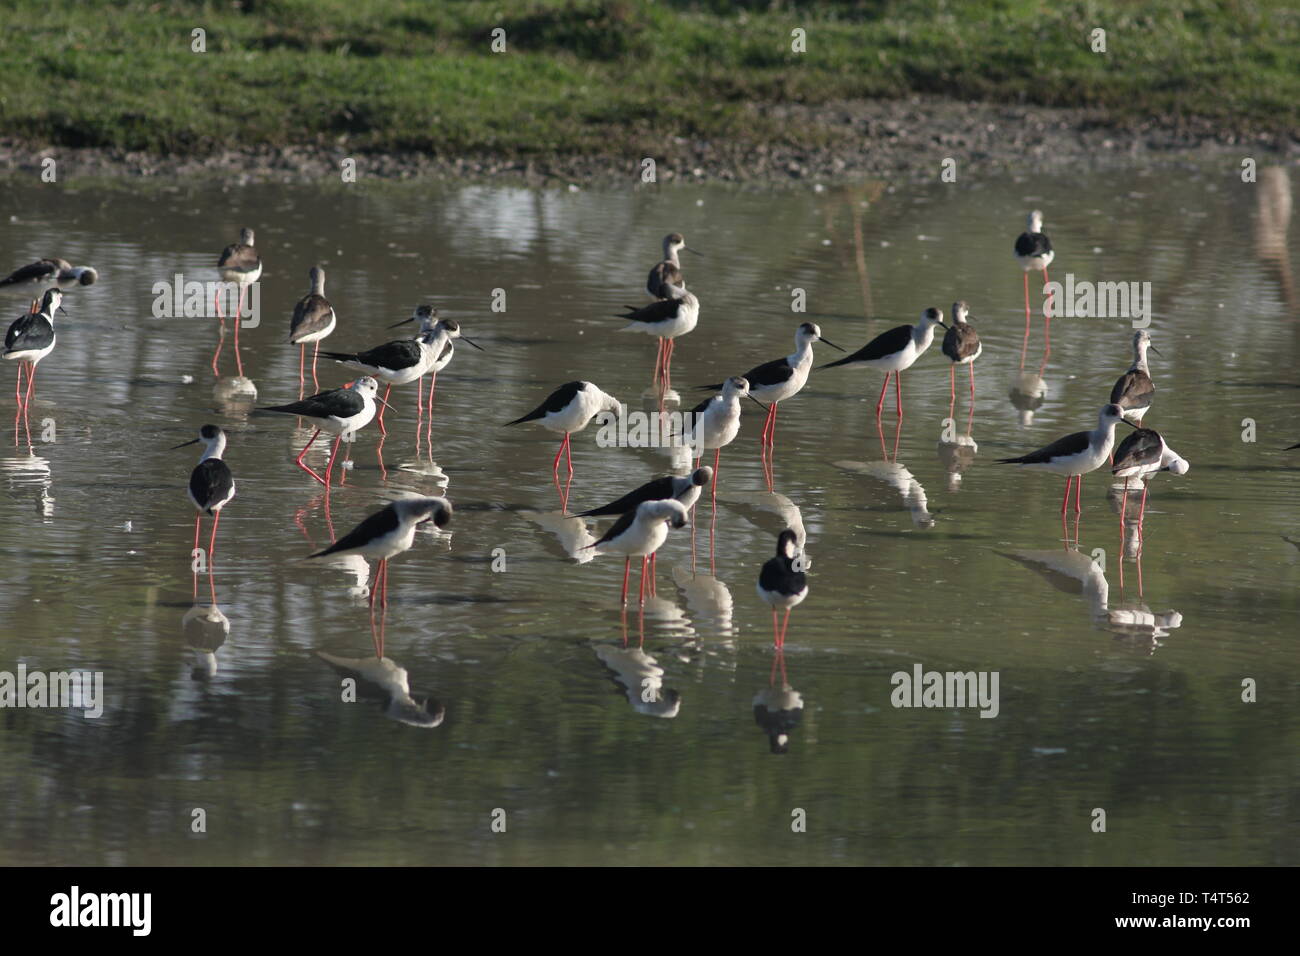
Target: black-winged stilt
x: 639, y: 534
x: 1141, y: 455
x: 429, y: 321
x: 782, y: 583
x: 211, y: 483
x: 387, y: 533
x: 52, y: 269
x: 895, y: 351
x: 1134, y: 390
x: 403, y: 360
x: 668, y: 272
x: 30, y: 338
x: 666, y: 319
x: 715, y: 423
x: 313, y: 319
x: 240, y: 264
x: 684, y: 488
x: 783, y: 378
x: 1076, y: 454
x: 339, y: 411
x: 962, y: 345
x: 568, y: 409
x: 1034, y: 253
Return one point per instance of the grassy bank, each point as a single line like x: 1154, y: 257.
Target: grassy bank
x: 607, y: 76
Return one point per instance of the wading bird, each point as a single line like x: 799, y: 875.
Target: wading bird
x: 1076, y: 454
x: 895, y: 351
x: 639, y: 534
x: 240, y: 264
x: 313, y: 319
x: 30, y: 338
x: 782, y: 583
x: 212, y: 486
x: 339, y: 411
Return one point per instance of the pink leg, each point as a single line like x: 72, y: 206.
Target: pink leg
x: 1142, y: 511
x: 239, y: 312
x: 776, y: 635
x: 880, y: 403
x: 329, y: 467
x: 387, y: 392
x: 1078, y: 492
x: 971, y: 366
x: 1025, y: 346
x: 302, y: 362
x: 771, y: 435
x: 1066, y: 500
x: 212, y: 540
x: 303, y: 453
x: 315, y: 354
x: 197, y: 520
x: 31, y: 382
x: 640, y: 598
x: 652, y: 575
x: 898, y: 393
x: 1047, y: 325
x: 555, y: 465
x: 216, y: 305
x: 1123, y: 507
x: 713, y: 485
x: 785, y: 626
x: 627, y: 569
x: 568, y: 453
x: 659, y: 361
x: 952, y: 385
x: 18, y: 386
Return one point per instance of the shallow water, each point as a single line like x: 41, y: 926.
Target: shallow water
x: 1115, y: 693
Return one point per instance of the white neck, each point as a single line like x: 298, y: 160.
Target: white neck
x: 216, y: 448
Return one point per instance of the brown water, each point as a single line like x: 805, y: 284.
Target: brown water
x: 1121, y: 694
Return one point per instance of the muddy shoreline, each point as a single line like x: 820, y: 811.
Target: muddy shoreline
x: 899, y: 139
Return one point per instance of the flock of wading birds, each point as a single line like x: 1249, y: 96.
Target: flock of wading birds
x: 645, y: 514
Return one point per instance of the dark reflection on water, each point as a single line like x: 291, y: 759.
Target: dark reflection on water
x: 650, y: 738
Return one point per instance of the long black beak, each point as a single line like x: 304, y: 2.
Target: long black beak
x: 65, y: 312
x: 466, y: 338
x: 1125, y: 421
x: 1156, y: 350
x: 941, y: 325
x: 830, y: 343
x: 695, y: 252
x: 183, y: 444
x: 759, y: 404
x: 403, y: 322
x: 380, y: 401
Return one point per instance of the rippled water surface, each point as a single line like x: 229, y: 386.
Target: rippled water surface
x: 1120, y: 677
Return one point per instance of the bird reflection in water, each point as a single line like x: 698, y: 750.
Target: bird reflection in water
x: 205, y: 629
x: 381, y: 679
x: 31, y: 471
x: 641, y: 678
x: 901, y: 480
x: 1027, y: 394
x: 778, y: 708
x: 956, y: 453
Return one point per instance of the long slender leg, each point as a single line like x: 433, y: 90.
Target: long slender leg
x: 303, y: 453
x: 568, y: 453
x: 1066, y: 500
x: 952, y: 387
x: 640, y: 598
x: 1047, y: 324
x: 1025, y: 346
x: 212, y: 540
x: 627, y: 569
x: 18, y: 386
x: 1078, y: 493
x: 776, y: 636
x: 329, y: 467
x: 668, y: 365
x: 771, y: 436
x: 302, y: 363
x: 1142, y: 511
x: 428, y: 426
x: 555, y: 465
x: 971, y: 366
x: 1123, y: 509
x: 785, y: 626
x: 653, y: 568
x: 239, y: 312
x: 388, y: 391
x: 315, y: 354
x: 898, y: 393
x: 880, y: 403
x: 197, y: 519
x: 713, y: 485
x: 31, y: 382
x: 419, y: 413
x: 659, y: 361
x: 221, y: 341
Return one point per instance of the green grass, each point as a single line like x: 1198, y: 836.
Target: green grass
x: 606, y: 76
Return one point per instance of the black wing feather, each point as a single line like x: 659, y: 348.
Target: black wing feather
x: 1033, y: 244
x: 775, y: 372
x: 396, y: 355
x: 211, y: 483
x: 311, y: 314
x: 665, y: 310
x: 654, y: 490
x: 40, y: 269
x: 1133, y: 389
x: 31, y: 330
x: 555, y: 402
x: 1142, y: 447
x: 961, y: 342
x: 618, y: 527
x: 380, y: 523
x: 884, y: 344
x: 1062, y: 447
x: 342, y: 402
x: 778, y: 575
